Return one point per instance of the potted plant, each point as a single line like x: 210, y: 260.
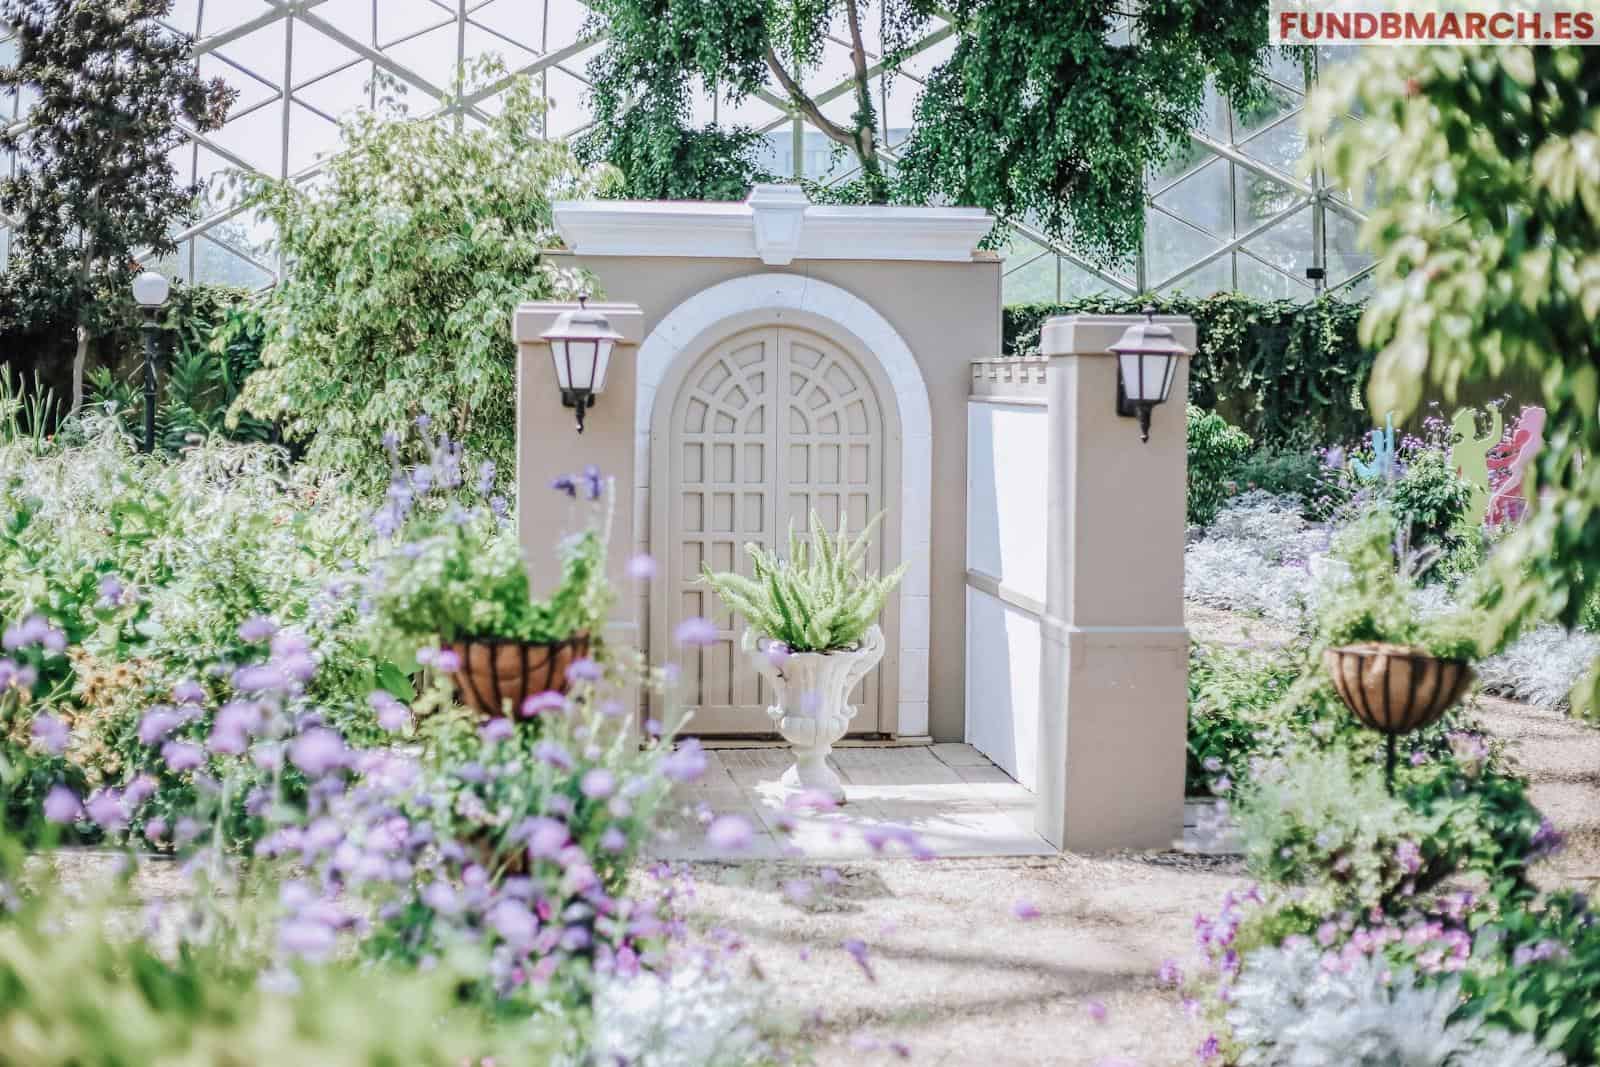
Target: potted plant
x: 1396, y: 668
x: 813, y: 634
x: 455, y: 574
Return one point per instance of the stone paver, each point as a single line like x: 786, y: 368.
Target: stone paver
x: 950, y: 796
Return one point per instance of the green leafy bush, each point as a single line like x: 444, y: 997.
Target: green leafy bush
x: 1376, y: 602
x: 816, y: 600
x: 1238, y: 712
x: 1215, y: 450
x: 410, y: 253
x: 1294, y: 471
x: 1430, y: 498
x: 455, y: 569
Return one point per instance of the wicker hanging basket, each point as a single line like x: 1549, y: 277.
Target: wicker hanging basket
x: 497, y: 675
x: 1395, y: 689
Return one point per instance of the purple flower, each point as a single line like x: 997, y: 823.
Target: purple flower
x: 565, y: 484
x: 111, y: 591
x: 486, y: 477
x: 1409, y: 856
x: 598, y: 784
x: 695, y: 631
x: 1170, y: 973
x: 189, y: 692
x: 686, y: 763
x: 30, y: 631
x: 495, y: 730
x: 138, y: 791
x: 318, y: 752
x: 447, y: 660
x: 1209, y: 1049
x: 546, y: 836
x: 307, y: 938
x: 181, y: 756
x: 584, y: 670
x: 539, y: 703
x: 857, y: 949
x: 50, y: 732
x: 392, y: 715
x: 613, y: 840
x: 515, y: 924
x: 730, y: 833
x: 257, y: 629
x: 105, y: 807
x: 1024, y: 910
x: 642, y: 567
x: 1096, y: 1010
x: 552, y: 753
x: 61, y: 805
x: 777, y: 654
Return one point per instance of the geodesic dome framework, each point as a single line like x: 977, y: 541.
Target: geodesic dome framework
x: 1233, y: 214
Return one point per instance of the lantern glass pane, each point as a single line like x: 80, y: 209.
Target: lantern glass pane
x: 602, y: 362
x: 581, y: 355
x: 558, y: 356
x: 1155, y: 377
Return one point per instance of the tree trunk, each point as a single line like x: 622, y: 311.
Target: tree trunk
x: 80, y: 359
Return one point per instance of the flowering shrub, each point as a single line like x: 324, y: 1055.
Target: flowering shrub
x: 452, y: 567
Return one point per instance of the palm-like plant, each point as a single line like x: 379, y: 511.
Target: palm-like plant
x: 816, y: 600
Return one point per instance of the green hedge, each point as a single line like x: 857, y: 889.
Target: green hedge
x: 1285, y: 372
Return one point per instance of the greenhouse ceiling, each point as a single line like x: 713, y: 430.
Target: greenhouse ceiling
x: 1233, y: 213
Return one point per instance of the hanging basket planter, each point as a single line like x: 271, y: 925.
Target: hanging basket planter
x: 1396, y: 689
x: 497, y: 674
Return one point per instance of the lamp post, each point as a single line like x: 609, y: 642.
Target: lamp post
x: 150, y: 292
x: 580, y: 349
x: 1147, y: 358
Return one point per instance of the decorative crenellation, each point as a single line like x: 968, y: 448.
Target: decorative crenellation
x: 1011, y: 378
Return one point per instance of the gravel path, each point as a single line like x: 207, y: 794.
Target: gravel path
x: 959, y: 980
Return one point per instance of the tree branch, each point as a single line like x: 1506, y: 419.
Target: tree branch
x: 808, y: 107
x: 866, y: 136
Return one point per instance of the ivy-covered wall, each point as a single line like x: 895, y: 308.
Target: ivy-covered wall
x: 1286, y: 372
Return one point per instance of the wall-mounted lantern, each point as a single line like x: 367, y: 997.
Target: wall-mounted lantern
x: 580, y: 347
x: 1147, y: 361
x: 150, y: 291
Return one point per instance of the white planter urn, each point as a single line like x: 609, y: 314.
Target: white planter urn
x: 811, y: 712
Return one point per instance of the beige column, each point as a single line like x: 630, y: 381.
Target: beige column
x: 1114, y: 685
x: 549, y: 445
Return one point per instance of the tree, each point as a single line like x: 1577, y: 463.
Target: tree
x: 410, y: 255
x: 1050, y: 111
x: 95, y: 183
x: 1485, y: 167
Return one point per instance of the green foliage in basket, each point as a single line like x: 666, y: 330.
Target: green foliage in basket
x: 816, y: 600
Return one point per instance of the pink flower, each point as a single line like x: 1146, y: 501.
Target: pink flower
x: 1024, y: 910
x: 598, y: 783
x: 1096, y: 1010
x: 641, y: 568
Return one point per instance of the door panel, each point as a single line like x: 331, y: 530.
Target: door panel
x: 766, y: 426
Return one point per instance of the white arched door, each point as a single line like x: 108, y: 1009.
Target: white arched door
x: 765, y: 426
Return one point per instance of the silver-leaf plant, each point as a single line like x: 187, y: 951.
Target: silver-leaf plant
x: 816, y: 600
x: 1288, y: 1010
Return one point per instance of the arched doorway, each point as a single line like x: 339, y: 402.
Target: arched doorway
x: 750, y: 434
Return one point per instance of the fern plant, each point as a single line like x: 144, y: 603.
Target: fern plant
x: 816, y: 600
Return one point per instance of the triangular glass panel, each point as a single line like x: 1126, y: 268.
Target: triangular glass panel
x: 1171, y: 246
x: 1279, y: 147
x: 1257, y: 198
x: 1287, y: 244
x: 316, y: 54
x: 1214, y: 277
x: 1201, y: 199
x: 1261, y: 281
